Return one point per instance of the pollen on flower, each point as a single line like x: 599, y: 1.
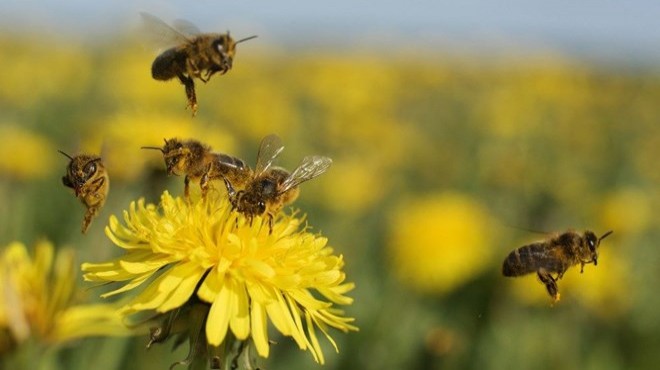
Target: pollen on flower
x: 203, y: 252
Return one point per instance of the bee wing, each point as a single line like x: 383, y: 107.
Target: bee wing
x: 309, y: 168
x: 271, y: 146
x: 186, y: 28
x: 161, y: 34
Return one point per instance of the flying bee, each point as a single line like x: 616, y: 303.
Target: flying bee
x: 270, y: 188
x: 198, y: 163
x: 195, y: 55
x: 88, y: 178
x: 554, y: 256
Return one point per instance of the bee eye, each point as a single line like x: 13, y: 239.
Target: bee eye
x: 90, y: 168
x: 179, y: 145
x: 592, y: 245
x: 220, y: 47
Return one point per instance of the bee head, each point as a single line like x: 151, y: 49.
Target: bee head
x: 593, y: 242
x: 225, y: 47
x: 174, y: 152
x: 80, y: 170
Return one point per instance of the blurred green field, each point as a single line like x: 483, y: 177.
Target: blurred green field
x: 441, y: 164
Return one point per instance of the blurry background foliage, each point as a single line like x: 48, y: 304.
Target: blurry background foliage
x: 440, y: 164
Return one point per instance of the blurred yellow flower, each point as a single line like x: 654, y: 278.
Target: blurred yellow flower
x: 255, y: 107
x: 361, y: 83
x: 439, y: 242
x: 355, y: 188
x: 129, y: 81
x: 38, y: 299
x: 18, y: 152
x: 245, y: 272
x: 34, y: 69
x: 627, y: 211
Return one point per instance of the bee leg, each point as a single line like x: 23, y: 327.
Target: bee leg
x: 87, y: 220
x: 550, y: 283
x: 231, y: 192
x: 98, y: 183
x: 581, y: 267
x: 204, y: 183
x: 210, y: 72
x: 204, y: 78
x: 186, y: 187
x: 193, y: 69
x: 190, y: 92
x: 270, y: 224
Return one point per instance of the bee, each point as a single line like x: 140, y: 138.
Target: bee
x: 90, y: 182
x: 198, y: 163
x: 554, y: 256
x: 270, y: 188
x: 195, y: 55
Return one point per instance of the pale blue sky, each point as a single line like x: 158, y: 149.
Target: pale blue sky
x: 609, y: 28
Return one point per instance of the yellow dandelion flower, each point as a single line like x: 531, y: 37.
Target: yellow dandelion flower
x: 38, y: 299
x: 245, y: 273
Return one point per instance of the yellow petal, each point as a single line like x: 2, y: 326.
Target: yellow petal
x: 150, y: 298
x: 218, y: 320
x: 298, y: 331
x: 176, y: 275
x: 210, y: 288
x: 151, y: 263
x: 123, y: 238
x: 306, y: 300
x: 260, y: 268
x: 89, y: 320
x: 278, y: 312
x: 325, y: 332
x: 240, y: 321
x: 259, y: 328
x: 134, y: 283
x: 191, y: 274
x: 316, y: 347
x: 259, y: 292
x: 43, y: 257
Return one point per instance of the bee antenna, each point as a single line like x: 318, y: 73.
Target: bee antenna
x: 245, y: 39
x: 66, y: 155
x: 153, y: 147
x: 605, y: 235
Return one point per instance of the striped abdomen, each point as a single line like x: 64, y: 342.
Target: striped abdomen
x: 530, y: 258
x: 169, y: 64
x: 230, y: 161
